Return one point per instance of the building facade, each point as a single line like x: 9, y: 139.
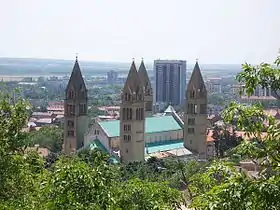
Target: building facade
x: 170, y: 81
x: 75, y: 111
x: 132, y: 118
x: 195, y: 115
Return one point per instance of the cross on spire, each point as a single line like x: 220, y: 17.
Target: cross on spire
x: 76, y: 56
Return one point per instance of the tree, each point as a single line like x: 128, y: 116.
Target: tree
x: 264, y: 75
x: 224, y: 140
x: 137, y: 194
x: 16, y: 167
x: 50, y: 137
x: 223, y: 186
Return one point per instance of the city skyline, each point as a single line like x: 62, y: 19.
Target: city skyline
x: 215, y: 32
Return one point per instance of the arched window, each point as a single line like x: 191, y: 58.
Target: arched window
x: 124, y: 114
x: 130, y: 110
x: 71, y: 94
x: 126, y: 96
x: 127, y: 114
x: 192, y: 94
x: 137, y: 114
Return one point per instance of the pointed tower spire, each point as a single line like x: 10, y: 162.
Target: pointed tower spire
x: 196, y: 81
x: 133, y: 83
x: 76, y: 79
x: 143, y: 74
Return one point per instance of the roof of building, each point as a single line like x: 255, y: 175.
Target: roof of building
x: 196, y: 80
x: 48, y: 114
x: 76, y: 78
x: 96, y: 144
x: 152, y: 125
x: 133, y: 82
x: 45, y: 120
x: 169, y: 109
x: 164, y: 146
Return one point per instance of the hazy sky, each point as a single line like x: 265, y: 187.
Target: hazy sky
x: 214, y: 31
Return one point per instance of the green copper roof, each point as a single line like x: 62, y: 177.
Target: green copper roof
x: 97, y: 144
x: 153, y: 125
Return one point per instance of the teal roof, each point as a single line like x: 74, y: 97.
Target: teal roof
x: 97, y: 144
x: 152, y: 125
x: 152, y: 148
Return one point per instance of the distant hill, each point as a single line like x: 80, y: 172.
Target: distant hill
x: 34, y: 66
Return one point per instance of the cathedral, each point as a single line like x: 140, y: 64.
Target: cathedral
x: 139, y: 133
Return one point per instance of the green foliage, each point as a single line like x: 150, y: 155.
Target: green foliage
x: 74, y: 184
x: 137, y: 194
x: 83, y: 181
x: 50, y: 137
x: 264, y: 75
x: 224, y: 140
x: 224, y: 187
x: 216, y: 99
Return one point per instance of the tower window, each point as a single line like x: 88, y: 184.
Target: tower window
x: 192, y: 94
x: 70, y: 123
x: 127, y: 114
x: 123, y: 113
x: 82, y: 108
x: 191, y: 130
x: 130, y: 114
x: 190, y: 141
x: 71, y: 94
x: 127, y: 127
x: 127, y: 97
x: 71, y: 109
x: 137, y: 114
x: 71, y: 133
x: 192, y: 109
x: 126, y: 138
x: 195, y: 109
x: 191, y: 121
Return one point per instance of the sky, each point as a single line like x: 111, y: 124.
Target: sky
x: 215, y: 32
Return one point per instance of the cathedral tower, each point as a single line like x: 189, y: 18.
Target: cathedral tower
x: 132, y: 118
x: 148, y: 91
x: 195, y: 119
x: 75, y: 111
